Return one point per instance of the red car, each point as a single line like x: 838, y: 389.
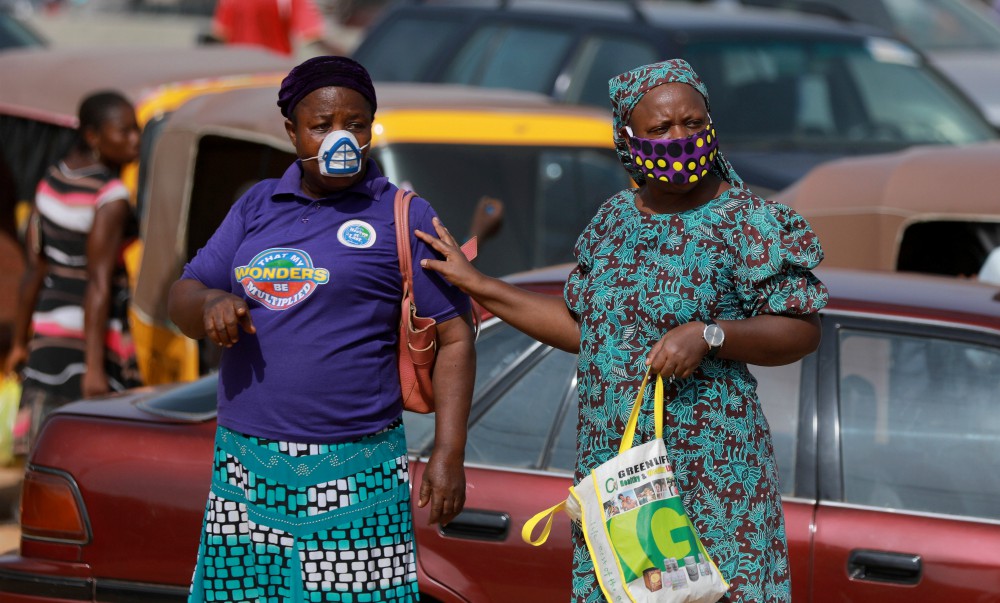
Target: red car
x: 888, y: 440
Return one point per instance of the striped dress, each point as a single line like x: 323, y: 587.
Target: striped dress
x: 67, y: 201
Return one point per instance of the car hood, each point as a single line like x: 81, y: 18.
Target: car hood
x: 977, y: 73
x: 767, y: 171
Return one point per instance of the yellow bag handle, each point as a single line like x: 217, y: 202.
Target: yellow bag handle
x: 633, y: 418
x: 627, y: 438
x: 529, y: 526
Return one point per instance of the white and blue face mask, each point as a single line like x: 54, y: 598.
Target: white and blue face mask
x: 339, y: 155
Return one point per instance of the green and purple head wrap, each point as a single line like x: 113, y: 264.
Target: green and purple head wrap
x: 627, y: 89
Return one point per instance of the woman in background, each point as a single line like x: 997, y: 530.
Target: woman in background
x: 71, y: 330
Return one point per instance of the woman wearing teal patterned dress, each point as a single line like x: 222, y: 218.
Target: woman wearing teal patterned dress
x: 695, y: 276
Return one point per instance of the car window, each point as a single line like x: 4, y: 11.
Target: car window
x: 600, y: 58
x: 515, y: 430
x: 924, y: 111
x: 406, y: 46
x: 499, y: 348
x: 15, y: 34
x: 879, y: 95
x: 562, y: 455
x: 549, y: 194
x: 495, y: 57
x: 949, y: 247
x: 195, y: 401
x: 943, y: 25
x: 920, y: 429
x: 571, y: 186
x: 778, y: 388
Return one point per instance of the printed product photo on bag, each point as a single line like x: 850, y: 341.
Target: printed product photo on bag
x: 644, y: 547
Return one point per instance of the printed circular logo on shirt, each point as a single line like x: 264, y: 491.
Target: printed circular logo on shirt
x: 281, y: 278
x: 356, y: 233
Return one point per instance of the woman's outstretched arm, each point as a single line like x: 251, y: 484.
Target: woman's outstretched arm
x: 543, y: 317
x: 765, y: 340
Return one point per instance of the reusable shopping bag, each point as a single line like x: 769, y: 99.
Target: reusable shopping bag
x: 644, y: 547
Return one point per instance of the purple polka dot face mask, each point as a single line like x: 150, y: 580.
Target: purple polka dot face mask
x: 676, y: 160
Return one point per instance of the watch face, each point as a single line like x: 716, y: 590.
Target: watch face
x: 714, y: 335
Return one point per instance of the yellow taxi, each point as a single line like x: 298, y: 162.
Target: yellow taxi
x: 40, y: 90
x: 528, y: 171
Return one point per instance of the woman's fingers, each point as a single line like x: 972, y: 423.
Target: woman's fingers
x: 672, y: 355
x: 225, y: 318
x: 444, y: 233
x: 443, y: 243
x: 243, y: 316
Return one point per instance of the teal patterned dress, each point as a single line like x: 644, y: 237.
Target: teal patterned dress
x: 638, y: 276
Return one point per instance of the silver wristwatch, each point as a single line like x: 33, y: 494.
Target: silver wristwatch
x: 714, y: 337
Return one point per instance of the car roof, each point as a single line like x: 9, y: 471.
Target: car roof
x: 860, y: 206
x: 960, y: 299
x: 254, y: 111
x: 729, y: 19
x: 48, y: 83
x: 947, y: 298
x: 678, y: 18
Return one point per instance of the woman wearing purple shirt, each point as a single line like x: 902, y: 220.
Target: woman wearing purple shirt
x: 300, y: 286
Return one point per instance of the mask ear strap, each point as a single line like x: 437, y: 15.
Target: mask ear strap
x: 628, y: 130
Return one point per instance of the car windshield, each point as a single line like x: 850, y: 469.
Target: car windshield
x: 934, y: 25
x: 863, y: 97
x: 14, y: 34
x: 549, y: 194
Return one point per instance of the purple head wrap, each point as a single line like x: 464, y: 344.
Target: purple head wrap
x: 320, y: 72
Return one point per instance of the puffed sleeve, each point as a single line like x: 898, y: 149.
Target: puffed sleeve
x: 779, y: 250
x: 573, y: 292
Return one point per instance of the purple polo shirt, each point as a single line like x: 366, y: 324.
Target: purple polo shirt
x: 323, y: 285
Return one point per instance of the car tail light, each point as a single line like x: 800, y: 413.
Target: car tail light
x: 52, y: 508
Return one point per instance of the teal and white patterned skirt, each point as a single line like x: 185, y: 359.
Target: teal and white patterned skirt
x: 308, y: 522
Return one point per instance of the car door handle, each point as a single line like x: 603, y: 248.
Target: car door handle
x: 884, y: 566
x: 478, y: 525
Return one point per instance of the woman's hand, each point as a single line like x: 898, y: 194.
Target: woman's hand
x: 455, y: 268
x: 16, y: 358
x: 678, y: 353
x: 224, y: 315
x: 443, y: 486
x: 94, y: 383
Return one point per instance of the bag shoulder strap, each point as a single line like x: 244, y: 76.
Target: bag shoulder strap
x: 633, y: 419
x: 402, y: 214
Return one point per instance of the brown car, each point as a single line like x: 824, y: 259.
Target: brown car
x: 928, y: 209
x: 887, y: 440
